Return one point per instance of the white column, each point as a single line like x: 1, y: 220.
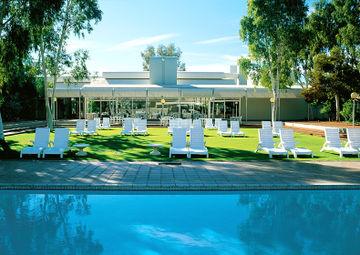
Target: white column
x: 239, y: 107
x: 224, y: 109
x: 246, y: 108
x: 79, y: 107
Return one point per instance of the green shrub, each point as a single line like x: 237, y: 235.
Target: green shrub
x: 347, y: 109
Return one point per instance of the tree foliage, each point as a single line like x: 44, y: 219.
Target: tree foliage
x: 333, y: 77
x: 162, y: 50
x: 271, y: 29
x: 17, y: 18
x: 75, y: 17
x: 335, y: 51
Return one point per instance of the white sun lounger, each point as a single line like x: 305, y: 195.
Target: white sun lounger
x: 333, y: 143
x: 277, y: 126
x: 197, y: 144
x: 127, y: 127
x: 235, y: 128
x: 353, y: 138
x: 91, y: 127
x: 105, y: 123
x: 266, y: 144
x: 80, y: 127
x: 217, y: 122
x: 141, y: 127
x: 41, y: 142
x: 265, y: 124
x: 136, y: 122
x: 61, y: 143
x: 186, y: 123
x: 288, y: 143
x: 223, y: 129
x: 178, y: 145
x: 174, y: 123
x: 197, y: 123
x: 98, y: 124
x: 209, y: 124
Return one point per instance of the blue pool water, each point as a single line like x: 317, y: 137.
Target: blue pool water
x: 271, y: 222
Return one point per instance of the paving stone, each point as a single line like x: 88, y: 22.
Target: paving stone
x: 46, y: 174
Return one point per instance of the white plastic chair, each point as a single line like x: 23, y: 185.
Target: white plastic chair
x: 288, y: 143
x: 105, y: 123
x: 141, y: 127
x: 277, y: 126
x: 40, y: 143
x: 333, y: 143
x: 91, y: 127
x: 127, y: 127
x: 353, y: 138
x: 60, y: 145
x: 235, y: 128
x: 80, y: 127
x: 209, y: 124
x: 223, y: 128
x: 178, y: 145
x: 197, y: 143
x: 266, y: 144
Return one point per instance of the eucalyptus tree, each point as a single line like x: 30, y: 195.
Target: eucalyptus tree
x: 17, y: 18
x: 335, y: 45
x: 76, y: 17
x: 271, y: 29
x: 162, y: 50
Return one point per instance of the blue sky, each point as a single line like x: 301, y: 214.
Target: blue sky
x: 205, y: 30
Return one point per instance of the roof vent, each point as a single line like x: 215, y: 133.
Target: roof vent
x: 163, y: 71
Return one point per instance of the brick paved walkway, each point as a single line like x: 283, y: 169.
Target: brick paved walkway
x: 193, y: 175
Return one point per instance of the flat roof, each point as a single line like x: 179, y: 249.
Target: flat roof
x: 174, y: 91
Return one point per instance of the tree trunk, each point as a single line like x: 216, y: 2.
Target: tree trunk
x: 58, y: 55
x: 3, y: 143
x: 1, y: 128
x: 44, y: 73
x: 337, y: 107
x: 275, y: 91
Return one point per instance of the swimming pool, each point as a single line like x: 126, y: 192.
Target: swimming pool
x: 271, y: 222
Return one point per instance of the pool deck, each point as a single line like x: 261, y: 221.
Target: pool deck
x: 189, y: 176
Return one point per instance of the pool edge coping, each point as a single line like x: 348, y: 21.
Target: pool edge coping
x: 144, y: 188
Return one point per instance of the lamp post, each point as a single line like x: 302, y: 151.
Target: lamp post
x: 272, y: 101
x: 354, y: 97
x: 162, y: 101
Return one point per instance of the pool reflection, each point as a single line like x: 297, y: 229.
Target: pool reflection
x: 41, y: 224
x: 307, y: 222
x: 277, y: 222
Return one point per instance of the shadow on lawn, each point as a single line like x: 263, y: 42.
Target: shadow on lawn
x: 118, y: 147
x: 136, y: 148
x: 11, y: 154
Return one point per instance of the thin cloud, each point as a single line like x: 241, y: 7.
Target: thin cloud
x: 75, y: 44
x: 142, y: 41
x: 208, y: 68
x: 217, y: 40
x: 230, y: 58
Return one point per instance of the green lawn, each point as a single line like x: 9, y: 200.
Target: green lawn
x: 110, y: 145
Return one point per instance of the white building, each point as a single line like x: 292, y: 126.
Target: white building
x: 163, y: 91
